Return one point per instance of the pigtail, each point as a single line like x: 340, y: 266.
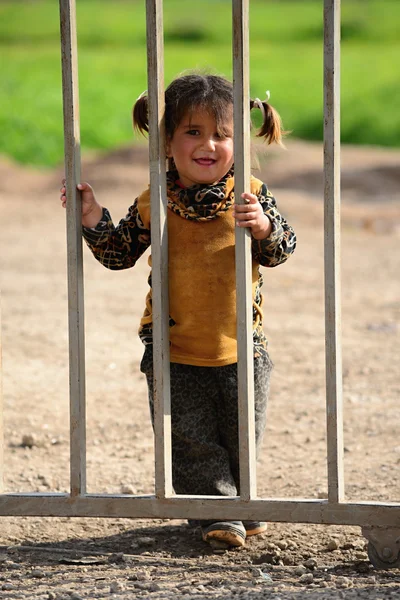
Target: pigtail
x: 140, y: 114
x: 271, y: 129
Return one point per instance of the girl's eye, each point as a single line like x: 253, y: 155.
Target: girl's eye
x: 193, y: 132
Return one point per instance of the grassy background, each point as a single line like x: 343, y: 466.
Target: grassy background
x: 286, y: 58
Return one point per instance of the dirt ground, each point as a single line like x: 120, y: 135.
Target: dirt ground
x: 52, y: 558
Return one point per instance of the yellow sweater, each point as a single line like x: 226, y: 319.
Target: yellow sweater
x: 202, y: 286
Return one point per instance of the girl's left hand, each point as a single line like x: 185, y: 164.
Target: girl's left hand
x: 252, y: 215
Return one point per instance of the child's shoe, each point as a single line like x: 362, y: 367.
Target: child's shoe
x: 254, y: 527
x: 231, y: 533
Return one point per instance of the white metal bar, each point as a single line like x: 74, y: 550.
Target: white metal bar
x: 159, y: 249
x: 332, y: 249
x: 247, y: 449
x: 295, y: 510
x: 74, y: 246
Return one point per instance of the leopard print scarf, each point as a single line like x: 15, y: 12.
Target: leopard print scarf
x: 199, y: 202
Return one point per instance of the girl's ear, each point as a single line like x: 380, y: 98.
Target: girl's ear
x: 168, y: 148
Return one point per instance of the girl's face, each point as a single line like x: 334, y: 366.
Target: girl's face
x: 201, y: 155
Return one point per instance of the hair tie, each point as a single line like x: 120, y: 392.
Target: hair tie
x: 257, y: 102
x: 141, y: 95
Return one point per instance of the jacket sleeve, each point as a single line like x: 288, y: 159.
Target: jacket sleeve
x: 118, y: 247
x: 280, y: 244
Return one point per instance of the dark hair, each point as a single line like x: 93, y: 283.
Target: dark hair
x: 213, y: 93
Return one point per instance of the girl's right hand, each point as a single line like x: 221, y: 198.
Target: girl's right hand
x: 92, y: 211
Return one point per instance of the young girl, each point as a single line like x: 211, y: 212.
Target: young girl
x: 201, y: 225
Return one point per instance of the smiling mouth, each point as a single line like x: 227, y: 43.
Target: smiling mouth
x: 205, y: 162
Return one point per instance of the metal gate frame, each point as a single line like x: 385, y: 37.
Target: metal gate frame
x: 380, y: 521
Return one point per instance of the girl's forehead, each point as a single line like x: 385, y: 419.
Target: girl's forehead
x: 200, y: 115
x: 197, y: 114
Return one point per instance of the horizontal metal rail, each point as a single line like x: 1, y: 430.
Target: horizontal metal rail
x: 295, y: 510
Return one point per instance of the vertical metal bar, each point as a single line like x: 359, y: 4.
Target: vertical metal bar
x: 159, y: 249
x: 332, y: 249
x: 1, y: 411
x: 74, y: 246
x: 248, y: 485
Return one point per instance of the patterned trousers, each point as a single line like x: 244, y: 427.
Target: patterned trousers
x: 204, y: 423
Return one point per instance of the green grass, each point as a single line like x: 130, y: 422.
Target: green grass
x: 286, y: 57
